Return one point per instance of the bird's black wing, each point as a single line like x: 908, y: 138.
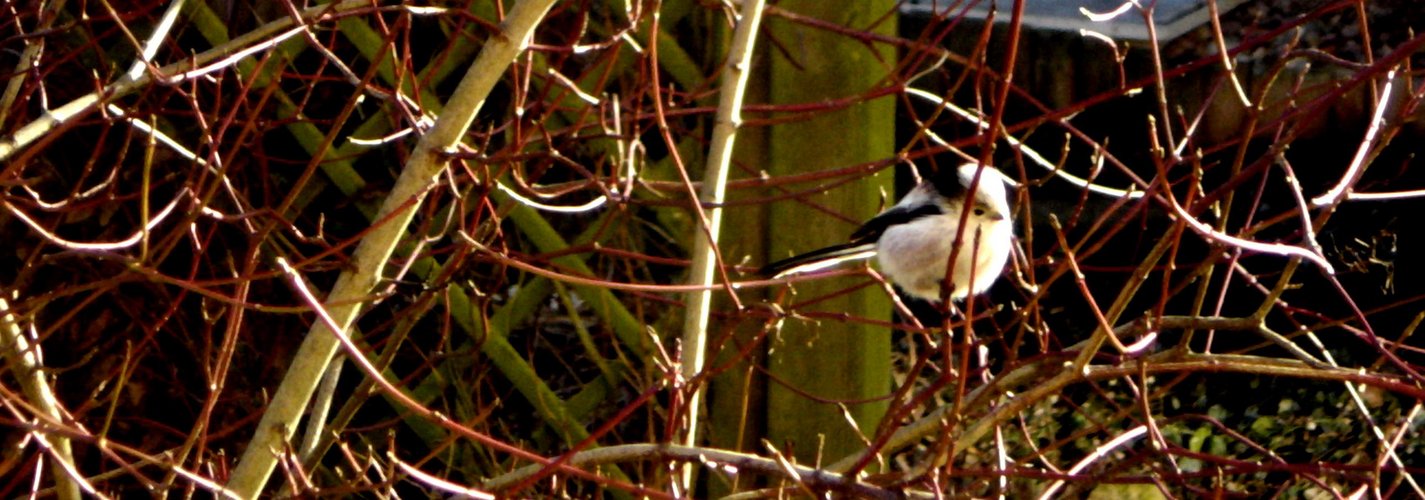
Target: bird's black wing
x: 861, y: 246
x: 872, y: 229
x: 818, y: 259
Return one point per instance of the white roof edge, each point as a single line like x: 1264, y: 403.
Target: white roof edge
x: 1128, y: 25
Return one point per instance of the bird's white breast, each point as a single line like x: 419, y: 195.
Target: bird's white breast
x: 914, y: 255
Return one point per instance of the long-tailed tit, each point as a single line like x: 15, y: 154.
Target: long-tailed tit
x: 913, y: 240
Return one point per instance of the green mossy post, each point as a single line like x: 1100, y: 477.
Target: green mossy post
x: 830, y: 359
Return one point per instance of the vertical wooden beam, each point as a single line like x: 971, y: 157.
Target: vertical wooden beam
x: 829, y: 360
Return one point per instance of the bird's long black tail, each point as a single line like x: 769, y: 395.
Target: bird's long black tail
x: 819, y: 259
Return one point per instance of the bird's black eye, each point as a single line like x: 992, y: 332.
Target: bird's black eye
x: 979, y: 211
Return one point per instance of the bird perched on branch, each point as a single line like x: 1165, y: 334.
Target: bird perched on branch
x: 914, y: 239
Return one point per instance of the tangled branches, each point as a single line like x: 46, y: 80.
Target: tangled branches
x: 492, y: 211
